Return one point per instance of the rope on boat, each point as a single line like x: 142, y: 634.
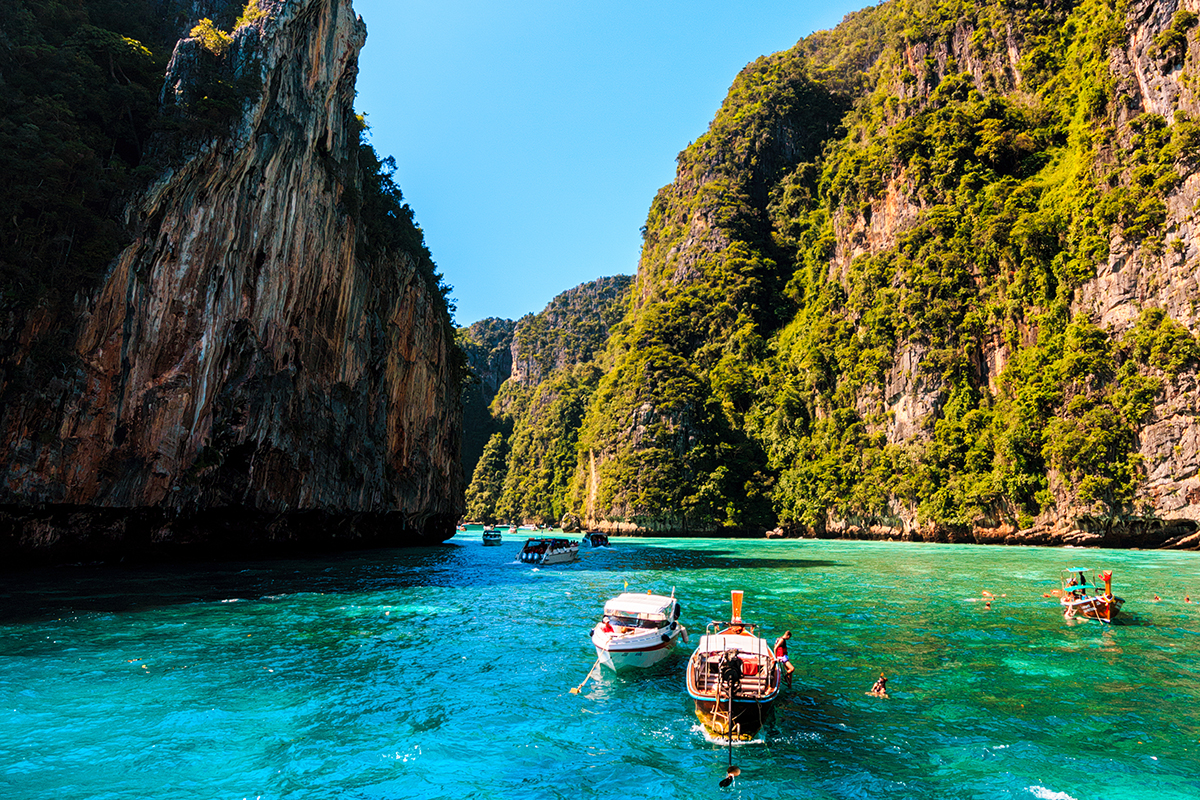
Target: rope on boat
x: 729, y: 670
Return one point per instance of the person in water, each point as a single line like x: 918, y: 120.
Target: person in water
x: 879, y: 689
x: 781, y: 655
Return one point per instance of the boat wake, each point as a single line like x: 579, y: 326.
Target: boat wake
x: 1043, y: 793
x: 722, y: 741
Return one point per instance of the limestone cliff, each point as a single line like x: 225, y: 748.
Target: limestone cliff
x: 568, y: 331
x: 488, y: 346
x: 536, y: 412
x: 262, y: 366
x: 928, y: 275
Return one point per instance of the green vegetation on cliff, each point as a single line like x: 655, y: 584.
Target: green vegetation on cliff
x: 860, y: 297
x: 525, y: 471
x: 77, y: 103
x: 487, y: 345
x: 545, y: 426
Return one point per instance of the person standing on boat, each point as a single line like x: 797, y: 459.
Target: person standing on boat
x: 781, y: 655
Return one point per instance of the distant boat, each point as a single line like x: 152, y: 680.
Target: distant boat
x: 546, y: 551
x: 733, y: 677
x: 1083, y: 598
x: 491, y: 537
x: 594, y: 539
x: 637, y: 631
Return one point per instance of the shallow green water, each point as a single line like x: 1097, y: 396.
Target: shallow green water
x: 445, y: 672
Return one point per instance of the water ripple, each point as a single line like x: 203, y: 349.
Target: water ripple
x: 445, y: 672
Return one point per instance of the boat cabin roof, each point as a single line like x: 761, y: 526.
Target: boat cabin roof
x: 714, y: 644
x: 1076, y: 579
x: 650, y: 606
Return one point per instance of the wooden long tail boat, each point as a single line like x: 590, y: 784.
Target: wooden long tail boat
x: 733, y: 678
x: 1083, y: 598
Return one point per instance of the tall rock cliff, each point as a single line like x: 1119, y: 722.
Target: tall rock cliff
x: 570, y: 330
x: 270, y: 361
x: 928, y: 275
x: 526, y: 467
x: 488, y: 347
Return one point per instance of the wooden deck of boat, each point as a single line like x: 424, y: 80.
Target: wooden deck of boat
x: 751, y: 687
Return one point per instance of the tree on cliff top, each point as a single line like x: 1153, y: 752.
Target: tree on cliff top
x: 77, y: 103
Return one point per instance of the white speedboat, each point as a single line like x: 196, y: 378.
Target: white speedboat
x: 734, y: 678
x: 546, y: 551
x: 492, y: 537
x: 637, y: 631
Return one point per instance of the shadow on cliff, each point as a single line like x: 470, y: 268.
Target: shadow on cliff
x: 55, y: 592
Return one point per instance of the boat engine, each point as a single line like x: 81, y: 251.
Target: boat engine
x: 730, y: 668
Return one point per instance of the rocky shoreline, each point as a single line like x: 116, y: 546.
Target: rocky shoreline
x: 1130, y: 533
x: 1134, y: 533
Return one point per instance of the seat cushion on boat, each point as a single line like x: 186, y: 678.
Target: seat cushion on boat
x: 749, y: 666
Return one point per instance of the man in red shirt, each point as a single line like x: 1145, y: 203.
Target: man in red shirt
x: 781, y: 655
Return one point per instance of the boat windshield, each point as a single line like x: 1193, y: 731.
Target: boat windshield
x: 625, y: 621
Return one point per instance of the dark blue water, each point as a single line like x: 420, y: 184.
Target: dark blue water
x: 446, y: 673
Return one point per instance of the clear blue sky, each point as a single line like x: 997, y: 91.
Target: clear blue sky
x: 531, y: 136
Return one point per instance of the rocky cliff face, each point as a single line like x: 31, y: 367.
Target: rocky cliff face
x: 1148, y: 77
x: 569, y: 331
x: 253, y: 371
x: 488, y: 346
x: 1158, y: 77
x: 907, y: 286
x: 536, y: 412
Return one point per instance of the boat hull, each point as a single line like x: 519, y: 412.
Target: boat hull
x: 1100, y: 608
x: 620, y: 656
x: 547, y: 559
x: 747, y: 718
x: 565, y: 557
x: 754, y: 692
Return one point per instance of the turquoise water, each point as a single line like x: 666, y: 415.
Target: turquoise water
x: 446, y: 673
